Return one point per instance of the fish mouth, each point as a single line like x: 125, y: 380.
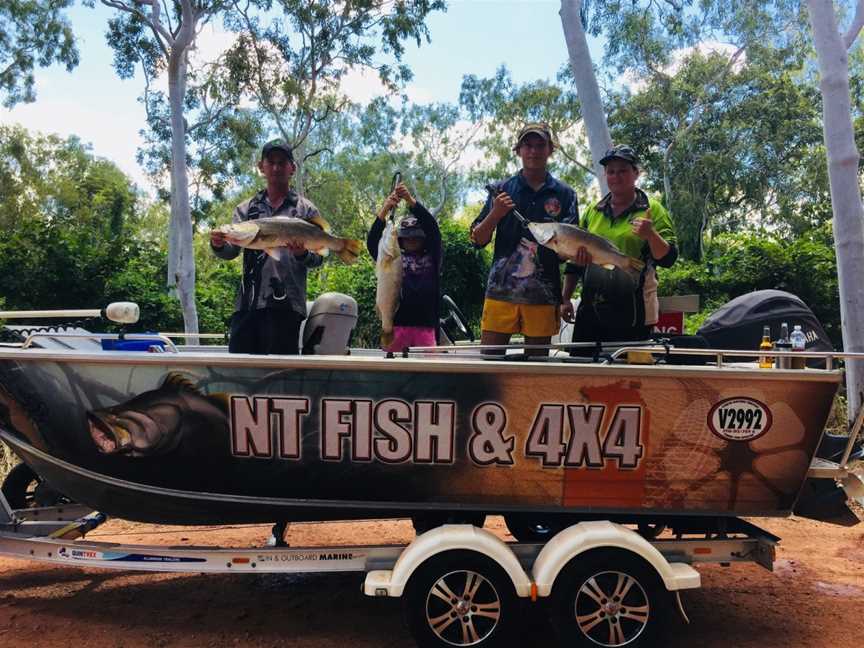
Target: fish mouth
x: 109, y: 437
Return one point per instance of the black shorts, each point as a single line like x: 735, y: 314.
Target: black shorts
x: 265, y: 331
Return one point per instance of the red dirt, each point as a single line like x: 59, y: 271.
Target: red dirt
x: 814, y: 597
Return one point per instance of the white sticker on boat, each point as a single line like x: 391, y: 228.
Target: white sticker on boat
x: 739, y: 419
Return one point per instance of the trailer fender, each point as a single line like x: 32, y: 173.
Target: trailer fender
x: 448, y: 537
x: 601, y: 534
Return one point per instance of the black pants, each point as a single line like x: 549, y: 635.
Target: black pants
x: 265, y: 331
x: 588, y: 328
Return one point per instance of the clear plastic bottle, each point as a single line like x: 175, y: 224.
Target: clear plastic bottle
x: 799, y: 343
x: 783, y: 344
x: 766, y: 361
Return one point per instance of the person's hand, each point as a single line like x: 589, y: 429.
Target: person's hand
x: 583, y: 257
x: 217, y: 238
x: 295, y: 246
x: 643, y: 227
x: 566, y: 310
x: 389, y: 205
x: 402, y: 192
x: 501, y: 206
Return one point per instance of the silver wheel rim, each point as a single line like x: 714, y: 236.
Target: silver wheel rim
x: 463, y: 608
x: 611, y: 609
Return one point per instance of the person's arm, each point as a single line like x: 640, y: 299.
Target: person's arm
x: 655, y: 228
x: 310, y: 259
x: 373, y: 238
x: 493, y: 212
x: 222, y: 248
x: 570, y: 279
x: 430, y: 228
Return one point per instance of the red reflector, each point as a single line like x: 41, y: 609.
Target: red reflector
x: 240, y: 561
x: 702, y: 550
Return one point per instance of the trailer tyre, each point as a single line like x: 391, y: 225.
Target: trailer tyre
x: 460, y: 598
x: 609, y: 598
x: 533, y: 527
x: 24, y: 488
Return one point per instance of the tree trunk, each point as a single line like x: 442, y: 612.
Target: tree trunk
x: 181, y: 273
x: 845, y: 192
x: 587, y: 89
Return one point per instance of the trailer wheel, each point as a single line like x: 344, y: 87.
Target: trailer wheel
x: 532, y: 527
x: 460, y: 598
x: 609, y: 598
x: 24, y: 488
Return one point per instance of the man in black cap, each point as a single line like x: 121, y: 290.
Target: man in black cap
x: 523, y: 291
x: 271, y: 300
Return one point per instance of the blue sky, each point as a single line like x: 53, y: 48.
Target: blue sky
x: 472, y: 37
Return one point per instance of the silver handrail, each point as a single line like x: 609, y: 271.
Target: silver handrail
x: 720, y: 354
x: 103, y: 336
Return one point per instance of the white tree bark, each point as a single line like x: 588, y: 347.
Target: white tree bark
x: 593, y: 115
x: 843, y: 157
x: 175, y: 45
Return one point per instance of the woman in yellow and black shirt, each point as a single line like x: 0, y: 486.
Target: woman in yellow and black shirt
x: 616, y: 306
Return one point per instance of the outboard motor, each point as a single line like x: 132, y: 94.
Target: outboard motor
x: 329, y: 325
x: 738, y: 323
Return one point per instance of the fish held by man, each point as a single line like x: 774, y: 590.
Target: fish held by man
x: 274, y: 233
x: 388, y: 272
x: 566, y: 239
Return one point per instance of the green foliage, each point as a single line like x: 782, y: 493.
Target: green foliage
x: 753, y: 156
x: 32, y: 32
x: 735, y: 264
x: 68, y: 221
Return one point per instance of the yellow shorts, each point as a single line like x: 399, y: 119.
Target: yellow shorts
x: 531, y: 320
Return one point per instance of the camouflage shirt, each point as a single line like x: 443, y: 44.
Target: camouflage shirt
x: 266, y: 282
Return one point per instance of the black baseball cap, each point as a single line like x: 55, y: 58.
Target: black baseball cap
x: 537, y: 128
x: 277, y: 145
x: 620, y: 152
x: 409, y: 227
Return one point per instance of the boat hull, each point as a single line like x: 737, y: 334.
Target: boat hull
x: 196, y: 438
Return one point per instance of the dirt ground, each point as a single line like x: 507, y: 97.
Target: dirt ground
x: 815, y: 596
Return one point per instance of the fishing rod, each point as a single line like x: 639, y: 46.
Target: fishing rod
x: 120, y: 312
x: 397, y: 178
x: 494, y: 191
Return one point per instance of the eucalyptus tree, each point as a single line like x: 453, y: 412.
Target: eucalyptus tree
x: 32, y: 33
x: 290, y: 56
x: 503, y: 106
x: 159, y: 36
x: 749, y: 161
x: 832, y: 46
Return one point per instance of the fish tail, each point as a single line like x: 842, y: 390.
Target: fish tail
x: 351, y: 251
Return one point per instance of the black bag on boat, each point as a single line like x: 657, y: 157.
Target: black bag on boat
x: 738, y: 324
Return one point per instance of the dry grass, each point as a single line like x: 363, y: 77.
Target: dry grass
x: 7, y: 461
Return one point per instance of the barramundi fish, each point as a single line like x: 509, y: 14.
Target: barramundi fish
x: 566, y: 239
x: 388, y: 272
x: 156, y: 422
x: 273, y: 233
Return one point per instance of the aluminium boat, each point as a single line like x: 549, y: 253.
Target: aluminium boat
x: 199, y: 436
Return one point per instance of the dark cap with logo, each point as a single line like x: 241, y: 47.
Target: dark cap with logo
x: 620, y: 152
x: 537, y: 128
x: 277, y: 145
x: 409, y: 227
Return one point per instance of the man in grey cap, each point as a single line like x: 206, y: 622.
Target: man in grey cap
x: 271, y: 300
